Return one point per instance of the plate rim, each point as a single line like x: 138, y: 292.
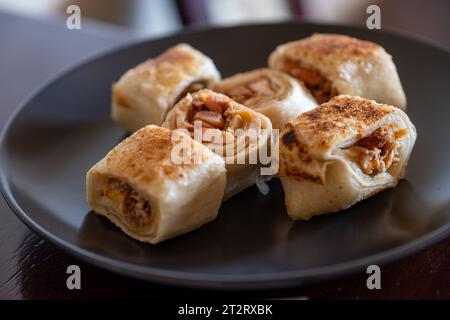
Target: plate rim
x: 201, y: 279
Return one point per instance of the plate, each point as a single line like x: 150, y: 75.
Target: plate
x: 64, y: 128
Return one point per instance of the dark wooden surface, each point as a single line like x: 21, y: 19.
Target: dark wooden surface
x: 32, y: 268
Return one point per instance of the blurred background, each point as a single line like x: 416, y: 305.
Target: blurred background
x: 144, y: 18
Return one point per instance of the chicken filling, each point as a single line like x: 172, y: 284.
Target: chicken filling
x: 377, y: 152
x: 320, y: 87
x: 136, y: 211
x: 218, y: 113
x: 262, y: 87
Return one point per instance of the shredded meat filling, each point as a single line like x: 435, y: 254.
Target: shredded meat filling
x: 136, y: 209
x: 262, y: 87
x: 216, y: 113
x: 377, y: 152
x: 319, y: 86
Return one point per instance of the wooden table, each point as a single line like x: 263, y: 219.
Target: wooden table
x: 32, y: 268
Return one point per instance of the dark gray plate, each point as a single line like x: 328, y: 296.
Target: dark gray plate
x: 65, y: 128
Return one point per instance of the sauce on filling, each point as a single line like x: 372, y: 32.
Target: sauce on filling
x: 136, y: 210
x: 319, y: 86
x: 377, y: 152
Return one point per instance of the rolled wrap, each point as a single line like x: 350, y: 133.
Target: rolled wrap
x: 144, y: 94
x: 141, y: 190
x: 342, y: 152
x: 218, y: 115
x: 333, y: 64
x: 270, y: 92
